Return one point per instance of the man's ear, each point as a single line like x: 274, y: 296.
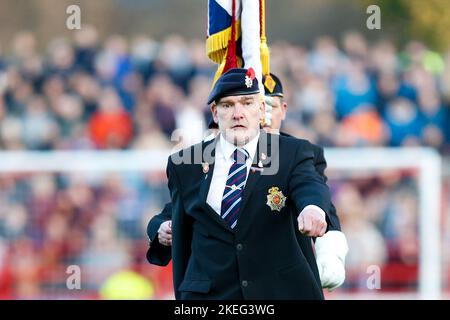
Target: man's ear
x: 262, y: 107
x: 214, y: 112
x: 283, y: 110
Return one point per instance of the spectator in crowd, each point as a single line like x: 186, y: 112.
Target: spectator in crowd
x: 111, y: 125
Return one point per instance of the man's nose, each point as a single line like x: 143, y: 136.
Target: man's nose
x: 238, y: 112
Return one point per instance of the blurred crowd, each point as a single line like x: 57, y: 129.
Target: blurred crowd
x: 137, y: 93
x: 49, y: 222
x: 133, y: 93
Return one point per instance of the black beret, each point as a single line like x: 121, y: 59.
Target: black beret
x: 275, y: 85
x: 234, y: 82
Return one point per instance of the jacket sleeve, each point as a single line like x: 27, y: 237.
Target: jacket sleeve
x: 306, y: 185
x: 157, y: 253
x: 181, y: 229
x: 321, y: 164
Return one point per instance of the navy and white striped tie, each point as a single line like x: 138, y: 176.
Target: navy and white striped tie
x: 232, y: 195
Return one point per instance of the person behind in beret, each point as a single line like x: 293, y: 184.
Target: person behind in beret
x: 234, y: 224
x: 331, y: 249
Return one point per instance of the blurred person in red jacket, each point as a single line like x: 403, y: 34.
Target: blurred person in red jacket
x: 111, y: 126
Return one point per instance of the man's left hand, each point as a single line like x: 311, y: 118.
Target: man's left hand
x: 311, y: 222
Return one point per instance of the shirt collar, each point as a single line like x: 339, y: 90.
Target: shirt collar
x: 228, y: 148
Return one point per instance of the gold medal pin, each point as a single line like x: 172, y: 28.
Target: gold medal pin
x: 205, y: 166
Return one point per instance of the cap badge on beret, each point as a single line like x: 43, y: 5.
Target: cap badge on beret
x: 249, y: 76
x: 270, y: 83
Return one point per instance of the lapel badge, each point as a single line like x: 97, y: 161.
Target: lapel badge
x: 205, y: 166
x: 275, y: 199
x: 260, y: 164
x: 254, y: 169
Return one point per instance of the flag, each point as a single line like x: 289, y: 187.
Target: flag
x: 236, y: 37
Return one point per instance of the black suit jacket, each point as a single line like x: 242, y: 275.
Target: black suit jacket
x: 161, y: 255
x: 157, y: 253
x: 321, y: 164
x: 261, y: 258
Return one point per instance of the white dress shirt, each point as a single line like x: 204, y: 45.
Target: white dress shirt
x: 223, y: 162
x: 222, y: 165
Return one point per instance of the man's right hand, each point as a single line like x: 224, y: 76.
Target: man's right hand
x: 165, y: 233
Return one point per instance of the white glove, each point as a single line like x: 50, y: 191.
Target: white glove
x: 331, y: 250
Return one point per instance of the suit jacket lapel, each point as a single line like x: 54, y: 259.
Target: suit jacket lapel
x: 207, y: 177
x: 206, y: 183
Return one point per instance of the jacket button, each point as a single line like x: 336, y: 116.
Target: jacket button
x: 244, y: 283
x: 239, y: 247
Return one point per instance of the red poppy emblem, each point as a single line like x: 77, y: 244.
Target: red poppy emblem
x: 250, y: 73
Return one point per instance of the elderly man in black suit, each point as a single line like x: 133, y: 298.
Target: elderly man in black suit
x: 330, y: 249
x: 236, y: 210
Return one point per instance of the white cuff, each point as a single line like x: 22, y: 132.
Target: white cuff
x: 318, y: 209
